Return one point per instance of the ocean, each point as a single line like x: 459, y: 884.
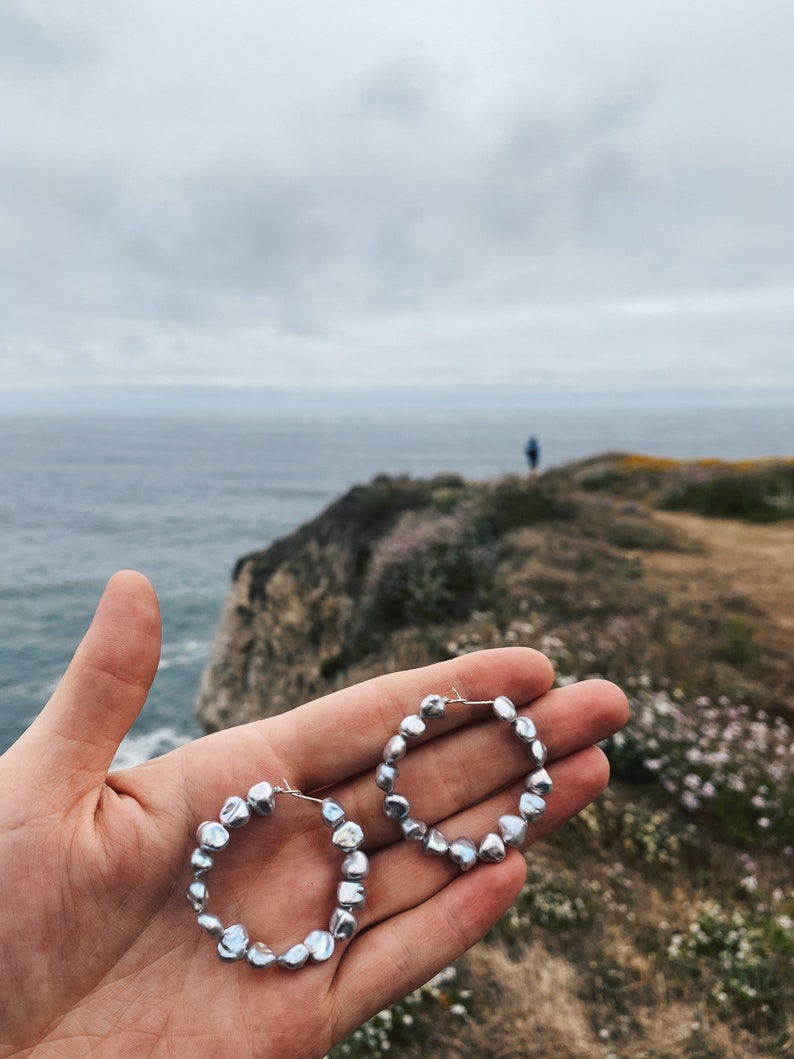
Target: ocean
x: 182, y: 496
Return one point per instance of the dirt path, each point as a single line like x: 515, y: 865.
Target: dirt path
x: 734, y: 562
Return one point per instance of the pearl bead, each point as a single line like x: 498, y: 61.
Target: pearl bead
x: 262, y: 798
x: 235, y: 812
x: 212, y: 837
x: 525, y: 729
x: 537, y: 751
x: 320, y: 946
x: 539, y: 782
x: 396, y: 807
x: 432, y: 706
x: 463, y: 852
x: 260, y: 955
x: 200, y: 862
x: 355, y: 865
x: 395, y: 749
x: 343, y: 924
x: 233, y: 943
x: 492, y: 849
x: 413, y: 830
x: 412, y: 727
x: 531, y: 806
x: 348, y: 836
x: 504, y: 709
x: 294, y: 958
x: 435, y: 843
x: 332, y: 812
x: 198, y: 895
x: 211, y: 924
x: 351, y: 894
x: 513, y: 829
x: 386, y: 776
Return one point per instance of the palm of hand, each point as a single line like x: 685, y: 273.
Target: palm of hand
x: 101, y: 953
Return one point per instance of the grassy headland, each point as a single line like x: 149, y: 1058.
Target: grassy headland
x: 660, y: 922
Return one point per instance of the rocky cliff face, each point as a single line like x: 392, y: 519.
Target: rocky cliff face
x: 301, y: 617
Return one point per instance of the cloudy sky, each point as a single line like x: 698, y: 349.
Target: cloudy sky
x: 587, y: 197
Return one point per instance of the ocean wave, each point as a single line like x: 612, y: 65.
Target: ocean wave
x: 142, y: 746
x: 182, y: 653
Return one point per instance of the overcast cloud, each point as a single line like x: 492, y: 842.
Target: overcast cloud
x: 576, y: 197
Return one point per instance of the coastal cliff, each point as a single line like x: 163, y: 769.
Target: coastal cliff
x: 660, y: 921
x: 584, y: 562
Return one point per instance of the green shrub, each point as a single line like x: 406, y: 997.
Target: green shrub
x: 762, y: 496
x: 744, y: 957
x: 515, y: 503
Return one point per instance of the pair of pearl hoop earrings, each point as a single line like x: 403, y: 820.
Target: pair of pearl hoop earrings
x: 234, y: 942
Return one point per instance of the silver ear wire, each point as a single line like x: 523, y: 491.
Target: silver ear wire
x: 288, y: 789
x: 466, y: 702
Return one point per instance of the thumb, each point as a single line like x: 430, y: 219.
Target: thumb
x: 71, y: 743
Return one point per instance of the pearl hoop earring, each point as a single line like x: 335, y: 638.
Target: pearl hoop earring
x: 318, y: 946
x: 512, y: 828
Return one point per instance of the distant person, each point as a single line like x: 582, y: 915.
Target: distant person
x: 533, y: 454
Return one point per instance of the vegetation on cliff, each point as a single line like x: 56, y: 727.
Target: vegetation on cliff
x: 661, y: 921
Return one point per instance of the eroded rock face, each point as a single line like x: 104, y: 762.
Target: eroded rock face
x: 278, y: 643
x: 298, y: 614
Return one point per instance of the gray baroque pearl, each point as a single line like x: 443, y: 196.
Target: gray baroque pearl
x: 463, y: 852
x: 200, y: 862
x: 435, y: 843
x: 539, y: 782
x: 260, y: 955
x: 211, y: 924
x: 233, y: 943
x: 432, y: 706
x: 235, y: 812
x: 492, y: 849
x: 355, y: 865
x: 513, y: 829
x: 537, y: 751
x: 320, y: 945
x: 413, y: 726
x: 394, y: 749
x: 294, y: 958
x: 525, y: 729
x: 348, y: 836
x: 332, y: 812
x: 504, y: 709
x: 413, y: 830
x: 212, y: 836
x: 343, y: 924
x: 396, y: 806
x: 386, y: 776
x: 351, y: 894
x: 531, y: 806
x: 198, y: 895
x: 262, y: 798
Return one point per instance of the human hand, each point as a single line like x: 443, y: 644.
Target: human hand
x: 99, y: 950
